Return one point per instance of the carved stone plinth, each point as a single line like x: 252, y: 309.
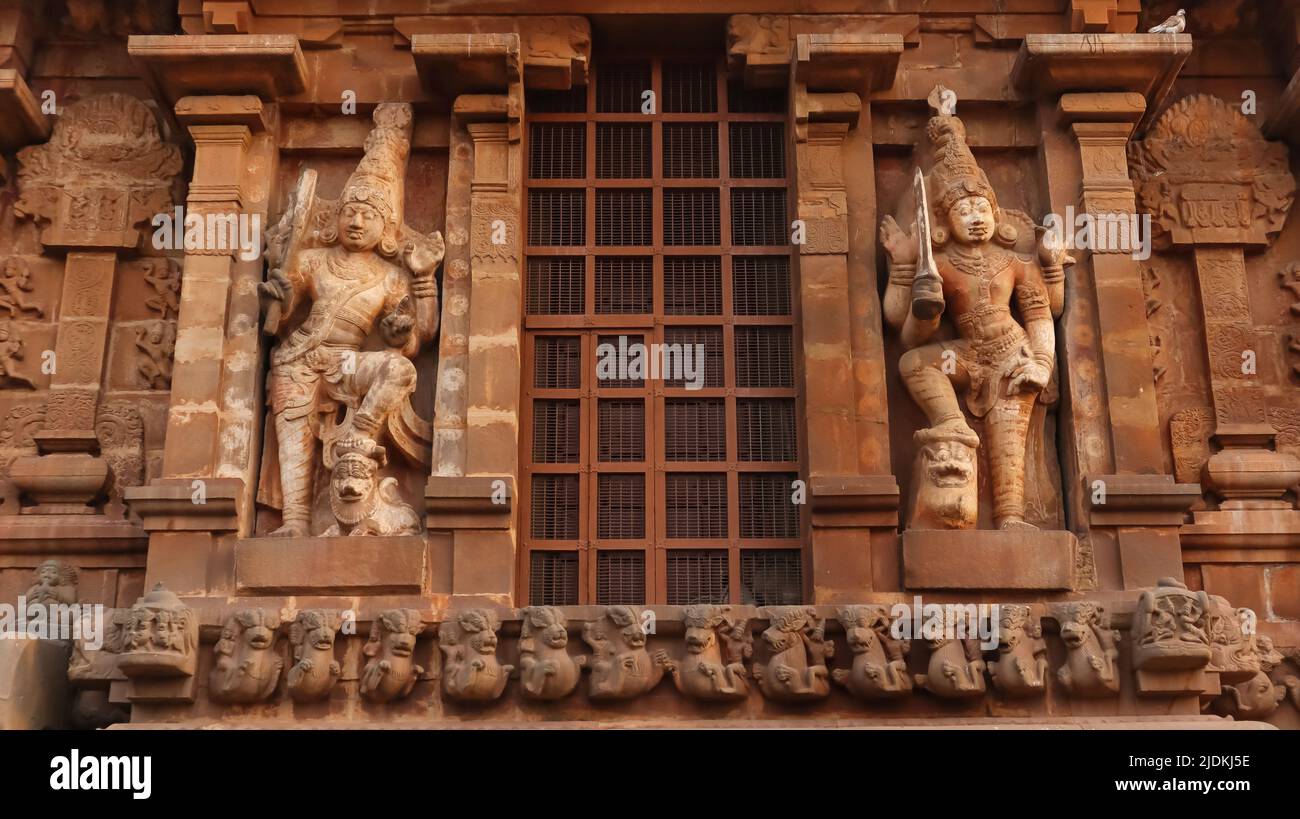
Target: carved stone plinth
x: 323, y: 565
x: 983, y: 559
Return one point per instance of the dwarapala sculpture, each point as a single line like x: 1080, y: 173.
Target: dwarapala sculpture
x: 339, y: 273
x: 980, y: 267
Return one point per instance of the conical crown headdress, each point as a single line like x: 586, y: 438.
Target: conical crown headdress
x: 955, y: 175
x: 379, y: 178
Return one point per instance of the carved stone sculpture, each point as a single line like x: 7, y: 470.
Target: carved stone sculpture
x: 156, y: 347
x: 470, y: 669
x: 372, y: 275
x: 11, y: 352
x: 314, y: 671
x: 879, y: 669
x: 53, y: 582
x: 162, y: 637
x: 362, y: 502
x: 1234, y: 652
x: 391, y: 672
x: 1090, y: 652
x: 948, y: 490
x: 956, y: 668
x: 621, y: 666
x: 1257, y: 697
x: 795, y: 652
x: 164, y: 276
x: 1020, y: 669
x: 717, y: 645
x: 15, y: 289
x: 546, y: 669
x: 248, y: 665
x: 969, y: 267
x: 1171, y: 628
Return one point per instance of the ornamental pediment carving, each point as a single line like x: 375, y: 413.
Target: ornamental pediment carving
x: 1207, y: 176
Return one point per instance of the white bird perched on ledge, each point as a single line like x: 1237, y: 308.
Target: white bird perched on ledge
x: 1174, y: 25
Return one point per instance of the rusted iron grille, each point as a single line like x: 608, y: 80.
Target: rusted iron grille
x: 665, y: 228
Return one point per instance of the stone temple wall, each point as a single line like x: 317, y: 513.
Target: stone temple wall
x: 299, y: 451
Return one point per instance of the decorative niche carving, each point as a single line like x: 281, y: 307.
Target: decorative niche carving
x: 967, y: 261
x: 339, y: 273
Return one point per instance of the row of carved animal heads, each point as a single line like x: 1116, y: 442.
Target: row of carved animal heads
x: 719, y: 661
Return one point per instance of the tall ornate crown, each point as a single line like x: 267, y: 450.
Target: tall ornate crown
x: 955, y: 174
x: 379, y: 178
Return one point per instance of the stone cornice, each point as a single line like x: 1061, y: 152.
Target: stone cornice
x: 269, y: 66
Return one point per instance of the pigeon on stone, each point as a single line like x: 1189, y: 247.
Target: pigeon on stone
x: 1174, y: 25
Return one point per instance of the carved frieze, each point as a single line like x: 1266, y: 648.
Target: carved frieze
x: 1171, y: 628
x: 792, y: 655
x: 1092, y: 658
x: 1020, y: 669
x: 621, y: 666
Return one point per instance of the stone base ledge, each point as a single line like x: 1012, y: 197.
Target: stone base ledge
x: 330, y: 565
x: 988, y: 559
x: 469, y: 502
x: 1116, y: 723
x: 169, y: 504
x: 1140, y: 500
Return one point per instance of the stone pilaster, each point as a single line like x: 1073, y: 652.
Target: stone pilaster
x: 852, y: 495
x: 476, y: 435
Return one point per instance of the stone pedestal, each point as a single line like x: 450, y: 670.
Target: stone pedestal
x: 981, y: 559
x: 330, y: 565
